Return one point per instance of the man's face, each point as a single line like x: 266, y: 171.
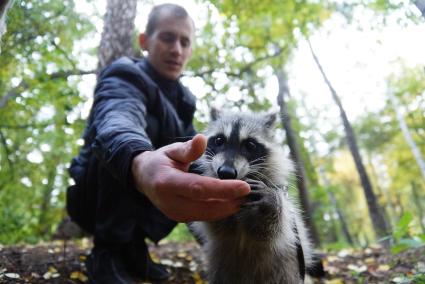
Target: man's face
x: 170, y: 46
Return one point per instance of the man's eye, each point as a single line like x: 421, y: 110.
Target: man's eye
x: 168, y: 38
x: 219, y: 140
x: 185, y: 43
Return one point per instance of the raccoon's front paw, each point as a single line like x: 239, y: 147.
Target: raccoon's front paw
x: 261, y: 212
x: 262, y: 199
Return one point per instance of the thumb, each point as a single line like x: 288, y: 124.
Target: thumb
x: 189, y: 151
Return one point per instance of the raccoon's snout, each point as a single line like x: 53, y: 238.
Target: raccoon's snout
x: 227, y: 172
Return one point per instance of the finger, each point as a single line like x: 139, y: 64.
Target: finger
x: 212, y: 210
x: 202, y: 188
x: 189, y: 151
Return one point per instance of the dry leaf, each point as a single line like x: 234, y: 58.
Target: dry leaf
x: 370, y: 260
x: 78, y: 275
x: 334, y: 281
x: 197, y: 278
x: 358, y: 269
x: 383, y: 267
x: 12, y: 275
x: 51, y: 273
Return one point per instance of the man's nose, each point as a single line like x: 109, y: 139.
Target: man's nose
x: 177, y: 47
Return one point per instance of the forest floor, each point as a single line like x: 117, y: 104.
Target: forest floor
x: 55, y: 262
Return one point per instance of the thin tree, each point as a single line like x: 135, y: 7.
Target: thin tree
x: 406, y: 133
x: 417, y: 201
x: 420, y: 4
x: 295, y: 155
x: 118, y: 31
x: 379, y: 223
x: 4, y: 8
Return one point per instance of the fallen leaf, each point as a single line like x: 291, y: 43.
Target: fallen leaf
x: 78, y: 275
x: 420, y: 267
x: 167, y: 262
x: 197, y: 278
x: 12, y: 275
x: 344, y: 252
x: 332, y: 258
x: 358, y: 269
x: 334, y: 281
x: 370, y: 260
x: 52, y: 272
x: 383, y: 267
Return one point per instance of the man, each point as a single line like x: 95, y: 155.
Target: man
x: 131, y: 179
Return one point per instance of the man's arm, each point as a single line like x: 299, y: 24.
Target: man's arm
x: 118, y: 120
x: 162, y: 176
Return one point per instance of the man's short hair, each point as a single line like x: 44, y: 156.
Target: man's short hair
x: 175, y: 10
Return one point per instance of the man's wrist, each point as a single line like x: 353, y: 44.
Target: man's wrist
x: 136, y: 172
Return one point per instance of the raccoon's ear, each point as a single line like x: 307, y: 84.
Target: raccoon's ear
x: 270, y: 119
x: 214, y: 113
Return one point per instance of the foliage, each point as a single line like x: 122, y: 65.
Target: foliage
x: 237, y: 50
x: 38, y: 128
x: 238, y: 45
x: 180, y: 233
x: 401, y: 237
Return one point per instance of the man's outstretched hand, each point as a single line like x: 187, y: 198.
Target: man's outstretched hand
x: 162, y: 176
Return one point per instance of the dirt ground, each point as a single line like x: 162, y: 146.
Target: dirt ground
x: 63, y: 262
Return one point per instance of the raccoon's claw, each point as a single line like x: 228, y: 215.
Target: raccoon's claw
x: 256, y: 184
x: 254, y: 197
x: 263, y: 198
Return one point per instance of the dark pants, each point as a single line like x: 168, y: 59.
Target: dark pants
x: 113, y: 214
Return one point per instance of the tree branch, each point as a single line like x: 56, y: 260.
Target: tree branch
x: 23, y: 126
x: 245, y: 68
x: 16, y: 91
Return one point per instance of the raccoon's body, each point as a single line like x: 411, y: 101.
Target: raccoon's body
x: 266, y: 241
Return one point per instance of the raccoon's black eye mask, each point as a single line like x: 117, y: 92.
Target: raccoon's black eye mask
x: 250, y: 148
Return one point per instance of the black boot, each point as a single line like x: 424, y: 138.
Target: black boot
x: 105, y: 266
x: 140, y: 265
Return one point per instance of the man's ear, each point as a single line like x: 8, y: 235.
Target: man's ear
x: 143, y: 41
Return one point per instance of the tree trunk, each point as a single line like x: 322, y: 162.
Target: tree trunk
x: 45, y: 204
x: 296, y: 155
x: 420, y: 4
x: 118, y: 30
x: 4, y: 8
x: 407, y: 136
x: 379, y: 223
x: 326, y: 184
x: 338, y: 210
x: 417, y: 200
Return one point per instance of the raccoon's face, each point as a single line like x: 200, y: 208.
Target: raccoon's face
x: 237, y: 146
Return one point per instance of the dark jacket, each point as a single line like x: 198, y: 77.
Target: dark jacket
x: 130, y: 114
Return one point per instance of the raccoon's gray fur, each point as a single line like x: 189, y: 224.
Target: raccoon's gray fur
x: 266, y: 241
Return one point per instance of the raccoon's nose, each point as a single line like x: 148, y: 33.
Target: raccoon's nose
x: 227, y: 172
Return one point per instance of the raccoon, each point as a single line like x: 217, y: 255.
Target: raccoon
x: 266, y: 241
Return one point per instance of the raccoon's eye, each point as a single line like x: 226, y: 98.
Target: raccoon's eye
x: 219, y: 140
x: 250, y: 144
